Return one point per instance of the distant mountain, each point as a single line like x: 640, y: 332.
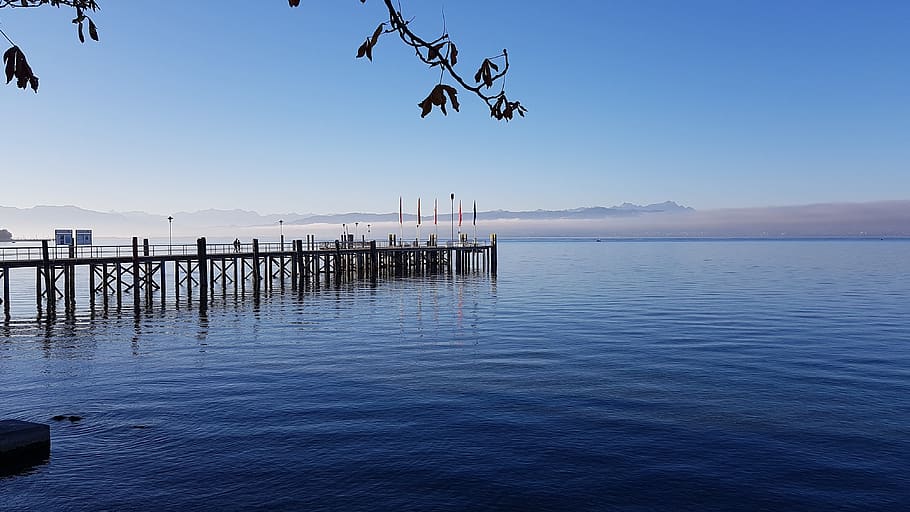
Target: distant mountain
x: 667, y: 219
x: 40, y: 221
x: 593, y: 212
x: 211, y: 217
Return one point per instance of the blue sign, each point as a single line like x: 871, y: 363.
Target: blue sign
x: 83, y: 237
x: 63, y: 236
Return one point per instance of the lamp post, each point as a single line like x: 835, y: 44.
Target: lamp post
x: 453, y: 216
x: 368, y: 231
x: 281, y: 231
x: 170, y: 237
x: 356, y: 225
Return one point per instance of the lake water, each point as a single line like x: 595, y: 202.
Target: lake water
x: 625, y: 375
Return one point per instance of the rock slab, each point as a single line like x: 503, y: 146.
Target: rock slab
x: 23, y: 442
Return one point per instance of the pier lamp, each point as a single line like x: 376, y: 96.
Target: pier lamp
x: 281, y: 230
x: 170, y: 237
x: 356, y: 226
x: 368, y: 231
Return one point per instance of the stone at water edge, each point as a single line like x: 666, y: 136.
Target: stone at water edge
x: 23, y: 442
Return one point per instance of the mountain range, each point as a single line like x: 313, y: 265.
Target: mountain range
x: 883, y: 218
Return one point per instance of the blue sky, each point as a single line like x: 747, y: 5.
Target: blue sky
x: 713, y: 104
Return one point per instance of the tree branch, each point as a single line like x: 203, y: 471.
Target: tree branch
x: 431, y: 54
x: 440, y: 52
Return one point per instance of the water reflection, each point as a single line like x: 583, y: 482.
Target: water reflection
x: 425, y: 307
x: 20, y: 468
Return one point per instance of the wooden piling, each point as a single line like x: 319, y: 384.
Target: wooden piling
x: 493, y: 254
x: 295, y: 263
x: 256, y: 269
x: 91, y: 285
x: 135, y: 272
x: 107, y: 277
x: 5, y: 274
x: 49, y: 294
x: 163, y: 281
x: 69, y: 280
x: 38, y: 285
x: 119, y: 284
x: 148, y: 278
x: 203, y: 273
x: 337, y: 263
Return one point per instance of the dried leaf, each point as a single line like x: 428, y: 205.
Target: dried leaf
x: 9, y: 58
x: 16, y: 65
x: 484, y: 74
x: 453, y: 95
x: 294, y: 3
x: 363, y: 49
x: 426, y: 106
x: 92, y: 30
x: 440, y: 98
x: 453, y: 55
x: 81, y: 35
x: 376, y: 33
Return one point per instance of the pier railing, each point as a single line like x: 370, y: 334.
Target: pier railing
x: 58, y: 252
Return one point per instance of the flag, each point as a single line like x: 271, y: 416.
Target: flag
x: 418, y: 211
x: 475, y: 213
x: 459, y: 213
x: 400, y: 212
x: 435, y: 216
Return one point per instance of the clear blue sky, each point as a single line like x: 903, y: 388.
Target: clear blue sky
x: 222, y: 105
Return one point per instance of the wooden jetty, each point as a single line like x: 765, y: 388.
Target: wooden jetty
x: 141, y: 270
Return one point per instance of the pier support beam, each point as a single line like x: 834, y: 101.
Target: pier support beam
x: 257, y: 277
x: 203, y: 273
x: 493, y: 254
x: 4, y: 274
x: 135, y: 269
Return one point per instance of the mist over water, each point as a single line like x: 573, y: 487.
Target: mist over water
x: 642, y: 375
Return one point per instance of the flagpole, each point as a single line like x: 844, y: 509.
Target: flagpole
x: 418, y: 222
x: 400, y: 221
x: 475, y: 222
